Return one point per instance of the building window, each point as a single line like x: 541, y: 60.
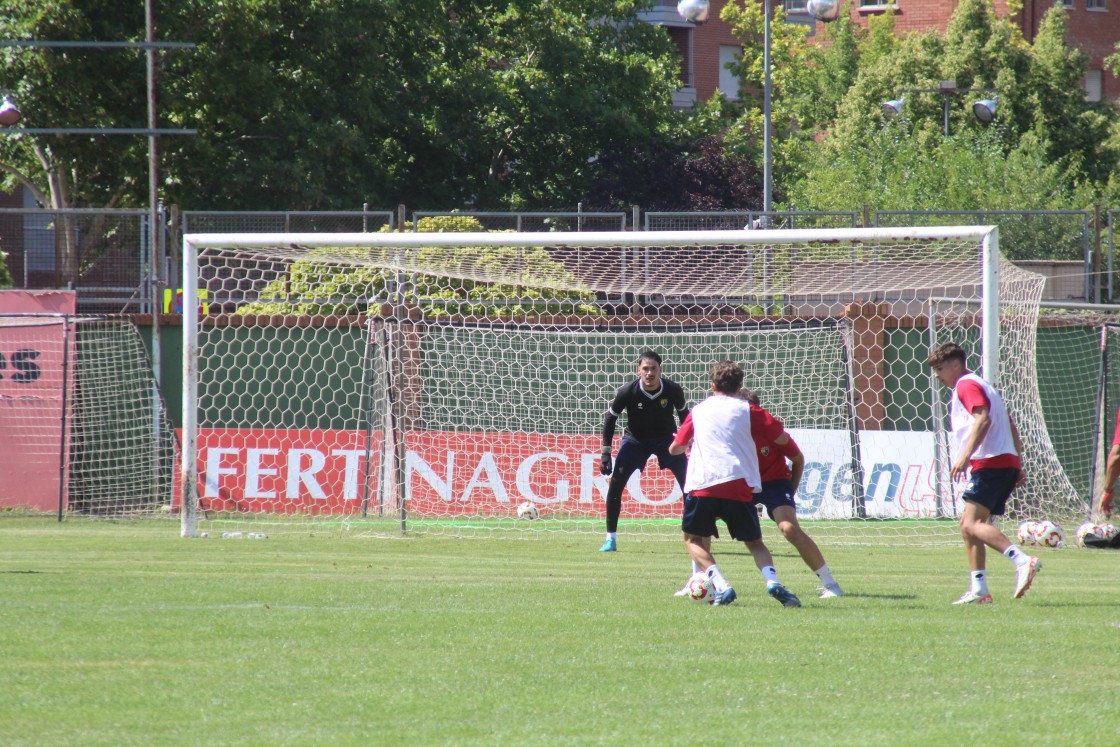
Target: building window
x: 729, y: 81
x: 878, y: 3
x: 1096, y: 4
x: 796, y: 6
x: 1092, y: 85
x: 1064, y: 3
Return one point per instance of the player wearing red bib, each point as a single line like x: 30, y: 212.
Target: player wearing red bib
x: 984, y: 441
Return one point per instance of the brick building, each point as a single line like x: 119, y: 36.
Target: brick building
x: 1094, y: 27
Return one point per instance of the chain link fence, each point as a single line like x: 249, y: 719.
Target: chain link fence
x: 105, y: 256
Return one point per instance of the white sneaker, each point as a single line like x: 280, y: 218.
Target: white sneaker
x: 971, y: 597
x: 682, y: 592
x: 1024, y: 575
x: 828, y: 591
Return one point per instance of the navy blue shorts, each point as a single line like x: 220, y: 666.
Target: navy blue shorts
x: 991, y: 488
x: 741, y: 518
x: 774, y: 494
x: 633, y: 455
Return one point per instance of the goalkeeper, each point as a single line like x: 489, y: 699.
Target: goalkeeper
x: 649, y: 403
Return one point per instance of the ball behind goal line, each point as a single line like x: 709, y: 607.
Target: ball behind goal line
x: 528, y: 510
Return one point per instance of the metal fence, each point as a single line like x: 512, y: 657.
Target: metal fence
x: 104, y: 254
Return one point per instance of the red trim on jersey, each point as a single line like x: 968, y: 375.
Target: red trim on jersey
x: 736, y: 490
x: 972, y: 395
x: 684, y: 435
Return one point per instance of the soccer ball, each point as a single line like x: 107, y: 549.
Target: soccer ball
x: 1086, y: 529
x: 825, y: 11
x: 1107, y: 531
x: 1049, y: 534
x: 693, y: 10
x: 528, y: 510
x: 1026, y: 534
x: 701, y: 589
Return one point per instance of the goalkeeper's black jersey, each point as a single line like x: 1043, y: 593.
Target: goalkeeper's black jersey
x: 649, y: 414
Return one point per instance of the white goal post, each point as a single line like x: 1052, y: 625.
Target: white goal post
x: 432, y: 382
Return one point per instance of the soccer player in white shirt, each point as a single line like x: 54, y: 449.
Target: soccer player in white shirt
x: 985, y: 442
x: 720, y: 482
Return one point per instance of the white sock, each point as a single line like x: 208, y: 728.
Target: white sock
x: 1017, y: 556
x: 980, y: 582
x: 610, y: 535
x: 770, y: 574
x: 825, y: 575
x: 717, y: 578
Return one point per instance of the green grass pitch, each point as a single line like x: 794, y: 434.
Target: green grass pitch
x: 125, y: 634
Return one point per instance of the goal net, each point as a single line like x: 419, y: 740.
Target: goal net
x: 433, y: 382
x: 83, y: 429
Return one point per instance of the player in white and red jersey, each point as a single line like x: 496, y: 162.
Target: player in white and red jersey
x: 984, y: 441
x: 721, y: 478
x: 780, y: 480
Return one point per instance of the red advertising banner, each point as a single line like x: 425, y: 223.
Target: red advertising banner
x: 34, y: 434
x: 477, y: 473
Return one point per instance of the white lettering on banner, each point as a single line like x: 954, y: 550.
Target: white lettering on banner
x: 297, y: 475
x: 590, y: 479
x: 442, y: 487
x: 634, y: 485
x: 254, y: 472
x: 215, y: 470
x: 350, y: 471
x: 326, y: 468
x: 525, y: 487
x: 486, y: 464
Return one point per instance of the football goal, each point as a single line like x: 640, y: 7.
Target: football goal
x: 433, y: 382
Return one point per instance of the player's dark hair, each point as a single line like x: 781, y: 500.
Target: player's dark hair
x: 649, y: 355
x: 727, y: 377
x: 945, y: 352
x: 751, y: 396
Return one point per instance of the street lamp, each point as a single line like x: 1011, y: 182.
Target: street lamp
x: 984, y: 110
x: 825, y: 11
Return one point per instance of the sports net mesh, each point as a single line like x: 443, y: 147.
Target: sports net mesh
x: 434, y: 384
x: 84, y: 430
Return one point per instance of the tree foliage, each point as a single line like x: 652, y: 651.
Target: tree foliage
x: 1049, y: 147
x: 315, y: 105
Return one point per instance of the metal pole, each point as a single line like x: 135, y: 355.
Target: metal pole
x: 64, y: 442
x: 767, y: 179
x: 945, y: 96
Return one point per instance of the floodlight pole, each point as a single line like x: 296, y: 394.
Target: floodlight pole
x: 947, y: 89
x: 767, y: 178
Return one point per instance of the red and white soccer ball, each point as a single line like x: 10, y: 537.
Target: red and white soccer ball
x: 1026, y: 535
x: 1085, y: 529
x: 1049, y: 534
x: 695, y: 11
x: 701, y: 589
x: 528, y: 510
x: 1107, y: 531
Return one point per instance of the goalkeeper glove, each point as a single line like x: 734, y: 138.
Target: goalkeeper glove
x: 605, y: 462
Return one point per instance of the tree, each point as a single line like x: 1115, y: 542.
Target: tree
x: 1049, y: 148
x: 326, y: 105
